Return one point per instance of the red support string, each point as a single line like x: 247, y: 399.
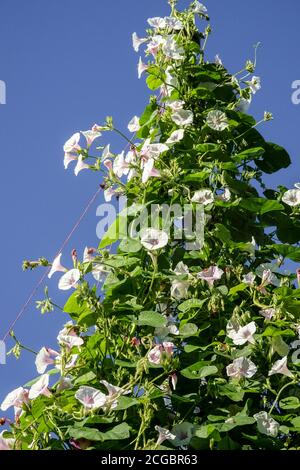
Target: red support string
x: 41, y: 280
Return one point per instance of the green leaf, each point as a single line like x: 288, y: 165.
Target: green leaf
x: 296, y: 422
x: 85, y: 378
x: 275, y: 158
x: 222, y: 233
x: 198, y: 177
x: 249, y: 154
x: 199, y: 371
x: 119, y: 432
x: 73, y: 308
x: 153, y: 82
x: 116, y: 231
x: 126, y: 402
x: 239, y: 288
x: 189, y: 329
x: 261, y: 205
x: 90, y: 434
x: 287, y: 251
x: 289, y: 403
x: 129, y: 245
x: 204, y: 431
x: 190, y: 304
x: 151, y: 318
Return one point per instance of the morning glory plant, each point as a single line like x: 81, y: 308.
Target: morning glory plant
x: 169, y: 347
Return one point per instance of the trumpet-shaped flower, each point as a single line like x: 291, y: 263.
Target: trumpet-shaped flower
x: 142, y: 67
x: 68, y: 158
x: 163, y: 435
x: 266, y: 424
x: 172, y: 50
x: 68, y: 337
x: 249, y: 279
x: 72, y: 144
x: 199, y: 8
x: 134, y: 124
x: 90, y: 398
x: 157, y: 22
x: 160, y: 351
x: 217, y: 120
x: 210, y: 275
x: 149, y: 171
x: 80, y: 165
x: 280, y: 367
x: 90, y: 136
x: 15, y: 398
x: 153, y: 239
x: 175, y: 137
x: 241, y: 367
x: 176, y: 105
x: 56, y: 266
x: 173, y: 23
x: 179, y: 289
x: 109, y: 193
x: 181, y: 269
x: 69, y: 280
x: 292, y: 197
x: 183, y: 117
x: 268, y: 313
x: 203, y: 196
x: 120, y: 166
x: 44, y: 358
x: 137, y: 42
x: 154, y: 45
x: 254, y: 84
x: 40, y: 388
x: 107, y: 153
x: 6, y: 443
x: 244, y: 334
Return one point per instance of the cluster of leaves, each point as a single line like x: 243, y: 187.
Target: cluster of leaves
x: 189, y: 392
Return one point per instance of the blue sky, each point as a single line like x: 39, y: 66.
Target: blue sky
x: 68, y: 64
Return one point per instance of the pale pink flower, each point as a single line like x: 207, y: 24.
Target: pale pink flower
x: 218, y: 60
x: 90, y: 397
x: 266, y: 424
x: 40, y: 388
x: 106, y: 152
x: 134, y: 124
x: 183, y: 117
x: 268, y: 313
x: 44, y: 358
x: 163, y: 435
x: 114, y: 393
x: 56, y: 266
x: 88, y: 254
x: 149, y: 171
x: 244, y: 334
x: 142, y: 67
x: 249, y: 279
x: 65, y: 383
x: 168, y: 347
x: 16, y: 398
x: 172, y: 50
x: 225, y: 196
x: 155, y: 43
x: 173, y: 23
x: 176, y: 105
x: 157, y: 22
x: 68, y: 337
x: 120, y: 166
x: 72, y: 144
x: 152, y: 150
x: 137, y: 42
x: 298, y: 277
x: 210, y: 275
x: 153, y: 239
x: 108, y: 164
x: 291, y: 197
x: 80, y: 165
x: 199, y: 8
x: 109, y: 193
x: 280, y: 367
x: 6, y: 443
x: 175, y: 137
x: 179, y: 289
x: 155, y: 354
x: 90, y: 136
x: 241, y: 367
x: 174, y: 380
x: 69, y: 280
x: 68, y: 158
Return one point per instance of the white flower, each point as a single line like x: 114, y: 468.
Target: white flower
x: 109, y: 193
x: 297, y: 185
x: 134, y: 124
x: 173, y: 23
x: 80, y: 165
x: 176, y: 105
x: 65, y: 383
x: 266, y: 424
x: 280, y: 367
x: 158, y: 352
x: 40, y: 388
x: 199, y: 8
x: 44, y: 358
x: 163, y: 435
x: 268, y: 313
x: 120, y: 166
x: 241, y: 367
x: 15, y: 398
x: 175, y: 137
x: 171, y: 81
x: 90, y: 136
x: 183, y: 117
x: 68, y: 337
x: 217, y: 120
x: 68, y: 158
x: 99, y: 272
x: 172, y: 50
x: 6, y: 443
x: 107, y: 153
x: 244, y: 334
x: 153, y: 239
x: 254, y: 84
x: 210, y: 275
x: 152, y: 150
x: 157, y: 22
x: 56, y: 266
x: 249, y: 279
x: 69, y: 280
x: 292, y: 197
x: 90, y: 397
x: 218, y: 60
x: 181, y: 269
x: 156, y: 42
x: 179, y: 289
x: 141, y: 67
x: 72, y: 144
x: 203, y: 196
x: 184, y: 433
x: 137, y: 42
x: 149, y: 171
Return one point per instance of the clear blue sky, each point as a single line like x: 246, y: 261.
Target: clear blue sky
x: 68, y: 64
